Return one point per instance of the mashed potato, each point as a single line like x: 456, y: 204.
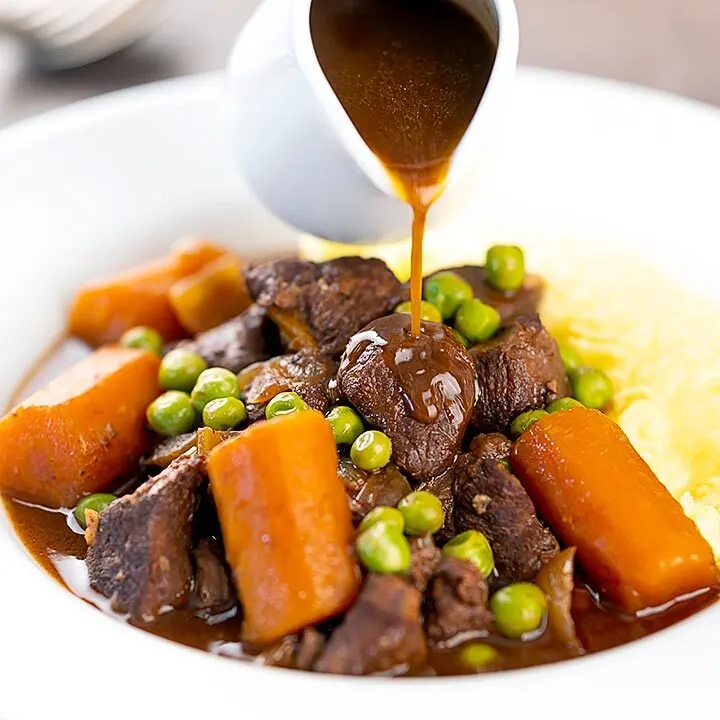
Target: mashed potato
x: 659, y: 344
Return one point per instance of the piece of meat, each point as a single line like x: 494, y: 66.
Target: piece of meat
x: 332, y: 300
x: 201, y: 441
x: 367, y: 490
x: 521, y: 369
x: 490, y: 499
x: 442, y: 487
x: 279, y: 654
x: 309, y: 648
x: 419, y: 390
x: 491, y: 446
x: 510, y: 304
x: 307, y: 373
x: 168, y: 449
x: 425, y: 561
x: 242, y: 341
x: 213, y: 589
x: 140, y: 555
x: 456, y: 603
x: 381, y: 632
x: 297, y: 651
x: 280, y: 282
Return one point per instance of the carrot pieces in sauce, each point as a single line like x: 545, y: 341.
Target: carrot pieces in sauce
x: 211, y: 296
x: 81, y: 432
x: 632, y: 537
x: 286, y: 524
x: 102, y: 311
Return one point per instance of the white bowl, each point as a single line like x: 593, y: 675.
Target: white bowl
x: 108, y: 182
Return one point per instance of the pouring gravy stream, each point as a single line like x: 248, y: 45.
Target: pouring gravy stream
x: 410, y: 74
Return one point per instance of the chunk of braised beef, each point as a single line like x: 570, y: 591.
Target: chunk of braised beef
x: 168, y: 449
x: 307, y: 373
x: 280, y: 282
x: 309, y: 648
x: 509, y: 304
x: 456, y: 602
x: 381, y: 632
x: 367, y: 490
x: 490, y: 499
x: 521, y: 369
x: 242, y: 341
x: 139, y: 551
x: 425, y: 561
x: 491, y: 446
x: 420, y: 391
x: 330, y: 300
x: 442, y: 487
x: 297, y: 651
x: 213, y: 591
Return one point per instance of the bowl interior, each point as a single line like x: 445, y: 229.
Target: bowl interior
x: 104, y: 184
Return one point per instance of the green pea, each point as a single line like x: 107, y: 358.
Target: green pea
x: 476, y: 320
x: 97, y: 502
x: 462, y: 339
x: 570, y: 357
x: 389, y: 516
x: 213, y: 384
x: 593, y: 388
x: 446, y: 291
x: 478, y: 655
x: 472, y: 546
x: 371, y: 450
x: 518, y: 609
x: 180, y: 369
x: 383, y: 549
x: 224, y: 413
x: 346, y: 424
x: 428, y: 312
x: 422, y: 511
x: 505, y: 267
x: 561, y: 404
x: 285, y: 403
x: 143, y: 338
x: 171, y: 414
x: 524, y: 420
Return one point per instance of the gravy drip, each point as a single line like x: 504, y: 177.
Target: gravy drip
x: 410, y: 75
x: 422, y: 365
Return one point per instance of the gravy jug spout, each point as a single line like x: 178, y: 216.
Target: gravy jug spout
x: 298, y: 148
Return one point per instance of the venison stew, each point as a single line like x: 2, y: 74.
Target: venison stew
x: 308, y: 484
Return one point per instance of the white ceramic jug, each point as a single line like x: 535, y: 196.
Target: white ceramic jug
x: 299, y: 150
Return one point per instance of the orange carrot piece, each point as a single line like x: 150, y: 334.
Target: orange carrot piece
x: 104, y: 310
x: 286, y: 524
x: 597, y: 493
x: 211, y: 296
x: 81, y: 432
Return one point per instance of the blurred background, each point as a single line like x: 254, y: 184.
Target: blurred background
x: 666, y: 44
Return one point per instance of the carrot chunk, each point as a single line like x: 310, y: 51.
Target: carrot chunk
x: 286, y: 524
x: 82, y: 431
x: 211, y: 296
x: 597, y: 493
x: 104, y: 310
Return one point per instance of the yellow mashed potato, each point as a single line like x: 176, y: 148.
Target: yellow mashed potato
x: 659, y: 343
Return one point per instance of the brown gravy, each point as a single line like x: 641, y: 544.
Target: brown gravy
x: 410, y: 75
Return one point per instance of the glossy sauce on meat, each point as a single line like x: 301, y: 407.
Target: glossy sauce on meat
x: 410, y: 75
x: 422, y: 365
